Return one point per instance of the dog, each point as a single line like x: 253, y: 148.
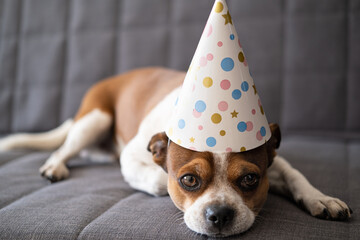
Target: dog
x: 220, y: 194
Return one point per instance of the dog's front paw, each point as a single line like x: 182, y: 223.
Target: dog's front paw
x: 158, y: 184
x: 326, y: 207
x: 54, y: 172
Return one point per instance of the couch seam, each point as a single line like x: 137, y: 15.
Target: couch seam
x: 119, y: 31
x: 346, y: 64
x: 283, y: 67
x: 347, y: 162
x: 106, y: 210
x: 96, y: 217
x: 168, y: 33
x: 2, y: 34
x: 2, y: 3
x: 346, y: 100
x: 116, y: 37
x: 17, y: 65
x: 65, y: 63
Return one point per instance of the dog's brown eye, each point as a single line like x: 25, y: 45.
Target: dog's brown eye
x: 248, y: 182
x: 190, y: 182
x: 250, y: 179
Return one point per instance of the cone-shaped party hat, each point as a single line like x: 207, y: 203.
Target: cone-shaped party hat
x: 218, y: 108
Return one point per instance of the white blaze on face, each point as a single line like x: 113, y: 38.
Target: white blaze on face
x: 220, y: 193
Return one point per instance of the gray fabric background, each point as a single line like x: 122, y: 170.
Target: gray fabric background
x: 304, y: 56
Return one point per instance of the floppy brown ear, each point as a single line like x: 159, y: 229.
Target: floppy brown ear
x: 274, y: 142
x: 158, y: 147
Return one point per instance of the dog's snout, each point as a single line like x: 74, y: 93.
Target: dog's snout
x: 219, y: 216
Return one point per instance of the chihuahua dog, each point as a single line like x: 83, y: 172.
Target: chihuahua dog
x: 220, y: 194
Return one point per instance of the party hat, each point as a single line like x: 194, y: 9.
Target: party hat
x: 218, y: 108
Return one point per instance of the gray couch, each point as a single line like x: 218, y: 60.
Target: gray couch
x: 304, y: 56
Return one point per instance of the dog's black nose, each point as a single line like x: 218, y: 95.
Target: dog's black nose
x: 219, y: 216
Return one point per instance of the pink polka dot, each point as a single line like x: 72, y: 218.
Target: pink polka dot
x: 253, y: 111
x: 258, y: 136
x: 223, y: 106
x: 245, y: 62
x: 228, y: 149
x: 193, y: 88
x: 209, y: 57
x: 259, y: 102
x: 192, y: 148
x: 220, y: 43
x: 210, y: 29
x: 250, y: 126
x: 225, y: 84
x: 239, y: 43
x: 196, y: 113
x: 203, y: 61
x: 200, y: 127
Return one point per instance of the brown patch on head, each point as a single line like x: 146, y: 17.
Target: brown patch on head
x: 186, y: 161
x: 253, y: 162
x: 257, y: 156
x: 256, y: 162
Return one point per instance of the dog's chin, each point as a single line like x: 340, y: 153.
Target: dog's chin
x: 242, y: 223
x: 223, y: 233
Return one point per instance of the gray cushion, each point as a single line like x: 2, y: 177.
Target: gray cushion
x: 95, y: 203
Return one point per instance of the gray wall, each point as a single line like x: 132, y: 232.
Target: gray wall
x: 304, y: 55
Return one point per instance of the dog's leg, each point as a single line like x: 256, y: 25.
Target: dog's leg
x: 85, y: 131
x: 284, y: 179
x: 139, y: 169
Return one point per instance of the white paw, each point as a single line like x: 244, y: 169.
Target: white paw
x: 54, y: 172
x: 158, y: 183
x: 325, y: 207
x: 159, y: 190
x: 152, y: 181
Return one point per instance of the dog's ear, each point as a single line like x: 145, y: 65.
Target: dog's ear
x: 158, y: 147
x: 274, y: 142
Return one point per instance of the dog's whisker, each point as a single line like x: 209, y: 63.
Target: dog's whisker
x: 179, y: 220
x: 176, y: 216
x: 190, y: 232
x: 182, y: 223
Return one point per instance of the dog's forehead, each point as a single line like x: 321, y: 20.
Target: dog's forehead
x: 257, y: 156
x: 180, y: 156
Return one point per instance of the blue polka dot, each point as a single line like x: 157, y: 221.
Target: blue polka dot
x: 176, y: 102
x: 200, y: 106
x: 245, y: 86
x: 227, y: 64
x: 232, y: 37
x: 181, y: 123
x: 263, y: 131
x: 210, y: 141
x: 236, y: 94
x: 241, y: 126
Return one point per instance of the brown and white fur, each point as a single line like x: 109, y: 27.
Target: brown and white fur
x: 226, y: 191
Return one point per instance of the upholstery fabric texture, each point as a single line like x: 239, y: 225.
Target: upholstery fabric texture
x: 304, y: 56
